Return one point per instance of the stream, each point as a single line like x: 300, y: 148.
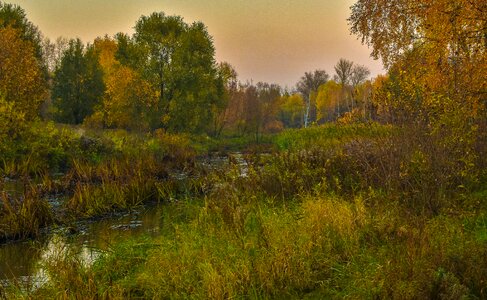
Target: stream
x: 21, y: 262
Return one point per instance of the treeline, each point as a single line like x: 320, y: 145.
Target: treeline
x: 163, y: 76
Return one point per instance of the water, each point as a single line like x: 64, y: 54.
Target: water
x: 22, y: 261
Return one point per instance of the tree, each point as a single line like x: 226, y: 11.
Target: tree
x: 178, y: 62
x: 78, y: 83
x: 308, y: 85
x: 127, y: 99
x: 269, y: 100
x: 14, y: 16
x: 327, y: 100
x: 158, y: 36
x: 292, y: 107
x: 359, y: 75
x: 343, y: 76
x: 344, y: 71
x: 194, y: 87
x: 363, y: 95
x: 22, y: 80
x: 228, y: 78
x: 129, y: 53
x: 436, y: 55
x: 254, y: 108
x: 450, y: 36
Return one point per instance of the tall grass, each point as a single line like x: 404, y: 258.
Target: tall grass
x: 318, y: 247
x: 329, y: 136
x: 341, y: 212
x: 23, y: 216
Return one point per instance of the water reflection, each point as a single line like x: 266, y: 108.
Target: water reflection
x: 23, y: 261
x: 18, y: 259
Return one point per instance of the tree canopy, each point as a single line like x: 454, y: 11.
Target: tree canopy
x: 22, y: 80
x: 78, y: 84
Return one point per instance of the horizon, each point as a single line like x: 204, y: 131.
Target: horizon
x: 270, y: 41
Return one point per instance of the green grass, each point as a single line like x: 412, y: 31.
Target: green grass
x: 341, y: 211
x: 317, y: 247
x: 328, y: 136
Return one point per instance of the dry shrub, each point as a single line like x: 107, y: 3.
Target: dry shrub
x: 415, y: 166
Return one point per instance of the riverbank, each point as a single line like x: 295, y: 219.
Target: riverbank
x: 336, y: 211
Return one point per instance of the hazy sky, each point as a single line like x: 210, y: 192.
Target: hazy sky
x: 265, y: 40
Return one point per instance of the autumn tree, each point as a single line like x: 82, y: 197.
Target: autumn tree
x: 448, y: 36
x: 260, y: 105
x: 327, y: 101
x: 78, y: 83
x: 436, y: 56
x: 358, y: 77
x: 22, y: 81
x: 291, y: 110
x: 127, y: 99
x: 343, y: 76
x: 223, y: 112
x: 269, y: 104
x: 14, y: 16
x: 308, y: 86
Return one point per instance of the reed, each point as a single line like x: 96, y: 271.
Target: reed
x: 23, y: 216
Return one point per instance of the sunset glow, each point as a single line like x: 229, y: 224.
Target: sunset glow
x: 271, y: 40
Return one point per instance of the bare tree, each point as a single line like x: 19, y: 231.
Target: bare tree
x: 308, y: 85
x: 53, y: 52
x: 359, y: 75
x: 344, y: 71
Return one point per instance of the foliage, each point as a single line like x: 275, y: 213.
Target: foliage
x: 351, y: 77
x: 22, y: 81
x: 13, y: 126
x: 78, y: 84
x: 317, y: 247
x: 356, y: 209
x: 253, y: 109
x: 36, y: 148
x: 14, y: 17
x: 436, y: 84
x: 328, y: 136
x: 292, y: 110
x: 229, y: 85
x: 128, y: 98
x: 178, y: 62
x: 22, y: 217
x: 328, y: 101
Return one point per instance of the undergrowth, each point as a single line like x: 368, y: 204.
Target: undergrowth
x: 385, y: 213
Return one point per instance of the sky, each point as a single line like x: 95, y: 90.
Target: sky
x: 275, y: 41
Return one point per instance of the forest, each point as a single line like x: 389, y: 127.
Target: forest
x: 342, y: 186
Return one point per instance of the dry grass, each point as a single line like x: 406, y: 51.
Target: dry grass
x: 23, y: 216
